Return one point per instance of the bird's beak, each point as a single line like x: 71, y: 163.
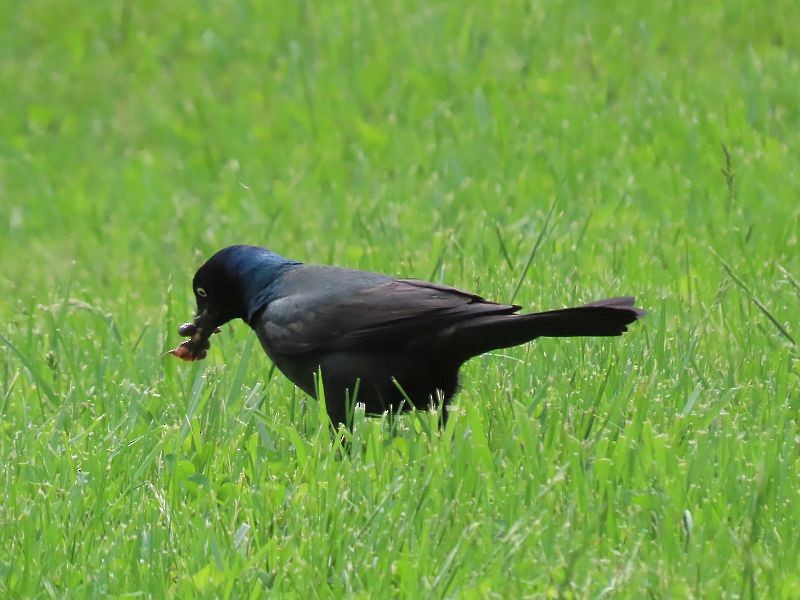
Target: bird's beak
x: 199, y: 332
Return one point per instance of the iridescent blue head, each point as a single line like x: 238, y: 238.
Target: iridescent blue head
x: 235, y: 283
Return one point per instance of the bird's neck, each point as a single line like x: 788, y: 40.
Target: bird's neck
x: 258, y: 276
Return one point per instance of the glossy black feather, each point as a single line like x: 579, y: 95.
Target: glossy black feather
x: 391, y: 344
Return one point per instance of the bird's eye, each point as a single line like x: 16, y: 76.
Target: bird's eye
x: 201, y: 292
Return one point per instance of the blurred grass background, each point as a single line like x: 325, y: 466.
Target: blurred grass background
x: 420, y: 139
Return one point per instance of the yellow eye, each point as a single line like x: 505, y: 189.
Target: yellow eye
x: 201, y: 292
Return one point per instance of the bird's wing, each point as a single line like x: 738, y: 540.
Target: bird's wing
x: 364, y: 313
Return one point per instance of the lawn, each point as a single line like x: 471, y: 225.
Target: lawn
x: 551, y: 153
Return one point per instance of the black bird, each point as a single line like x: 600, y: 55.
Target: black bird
x: 391, y: 344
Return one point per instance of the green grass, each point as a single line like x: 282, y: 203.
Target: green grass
x: 426, y: 139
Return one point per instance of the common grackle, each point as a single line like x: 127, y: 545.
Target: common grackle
x: 391, y: 344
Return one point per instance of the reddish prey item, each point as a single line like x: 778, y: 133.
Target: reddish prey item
x: 196, y: 347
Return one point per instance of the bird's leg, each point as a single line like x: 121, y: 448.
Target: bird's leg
x: 443, y: 415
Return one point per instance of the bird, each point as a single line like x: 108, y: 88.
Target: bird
x: 390, y: 344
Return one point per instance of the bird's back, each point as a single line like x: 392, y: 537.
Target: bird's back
x: 329, y: 308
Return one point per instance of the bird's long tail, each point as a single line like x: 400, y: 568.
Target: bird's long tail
x: 608, y: 317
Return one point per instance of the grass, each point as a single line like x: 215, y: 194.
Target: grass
x: 428, y: 140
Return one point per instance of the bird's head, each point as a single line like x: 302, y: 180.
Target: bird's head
x: 236, y: 282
